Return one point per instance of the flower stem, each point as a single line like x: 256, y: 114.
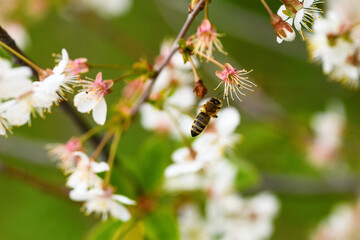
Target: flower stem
x: 112, y: 154
x: 114, y: 66
x: 267, y: 8
x: 194, y: 69
x: 210, y: 59
x: 20, y: 56
x: 123, y: 77
x: 184, y: 29
x: 207, y: 9
x: 101, y: 145
x: 90, y: 133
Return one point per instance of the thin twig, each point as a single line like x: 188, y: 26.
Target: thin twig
x: 34, y: 181
x: 174, y: 48
x: 5, y: 38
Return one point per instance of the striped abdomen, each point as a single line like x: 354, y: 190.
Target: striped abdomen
x: 200, y: 123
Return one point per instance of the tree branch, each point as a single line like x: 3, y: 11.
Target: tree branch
x: 174, y: 48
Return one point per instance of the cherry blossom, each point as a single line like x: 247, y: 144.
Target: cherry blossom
x: 103, y: 202
x: 84, y: 176
x: 91, y: 98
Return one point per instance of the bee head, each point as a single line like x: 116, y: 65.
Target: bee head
x: 216, y: 101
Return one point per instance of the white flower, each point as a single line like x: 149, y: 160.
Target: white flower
x: 103, y: 202
x: 220, y: 134
x: 333, y: 45
x: 216, y: 180
x: 171, y: 119
x: 17, y: 112
x: 50, y: 90
x: 328, y: 127
x: 221, y: 179
x: 175, y: 73
x: 64, y: 154
x: 306, y: 13
x: 230, y: 218
x: 188, y: 161
x: 343, y: 223
x: 191, y: 223
x: 108, y: 8
x: 13, y: 81
x: 91, y: 98
x: 234, y: 217
x: 84, y: 176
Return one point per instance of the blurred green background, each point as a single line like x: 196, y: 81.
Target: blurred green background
x: 275, y: 119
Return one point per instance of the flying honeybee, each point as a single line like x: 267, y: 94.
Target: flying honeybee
x: 209, y: 110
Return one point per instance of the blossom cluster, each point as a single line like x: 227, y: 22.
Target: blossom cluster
x: 335, y: 41
x: 203, y: 164
x: 20, y: 97
x: 87, y: 186
x: 328, y: 130
x: 343, y: 223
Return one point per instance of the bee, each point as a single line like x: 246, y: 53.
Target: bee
x: 209, y: 110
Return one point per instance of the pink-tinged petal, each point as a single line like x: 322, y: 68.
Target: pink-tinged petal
x: 99, y: 112
x: 219, y: 74
x: 59, y: 69
x: 99, y: 166
x: 86, y: 101
x: 119, y: 211
x: 279, y: 40
x: 298, y: 18
x: 123, y: 199
x: 98, y: 78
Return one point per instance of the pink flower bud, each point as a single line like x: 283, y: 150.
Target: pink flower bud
x: 283, y: 30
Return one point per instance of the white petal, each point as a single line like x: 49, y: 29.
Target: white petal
x: 183, y: 98
x: 298, y: 18
x: 99, y: 166
x: 59, y: 69
x: 279, y: 40
x: 17, y: 112
x: 123, y: 199
x: 85, y: 102
x: 183, y: 168
x: 307, y: 3
x: 80, y: 195
x: 99, y: 112
x: 119, y: 211
x: 229, y: 119
x: 281, y: 13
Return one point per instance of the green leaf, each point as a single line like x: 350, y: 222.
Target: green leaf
x: 105, y: 230
x: 132, y: 230
x: 149, y: 163
x: 152, y: 162
x: 161, y: 225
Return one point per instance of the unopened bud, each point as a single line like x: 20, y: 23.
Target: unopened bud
x: 293, y: 5
x: 282, y: 29
x: 200, y: 89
